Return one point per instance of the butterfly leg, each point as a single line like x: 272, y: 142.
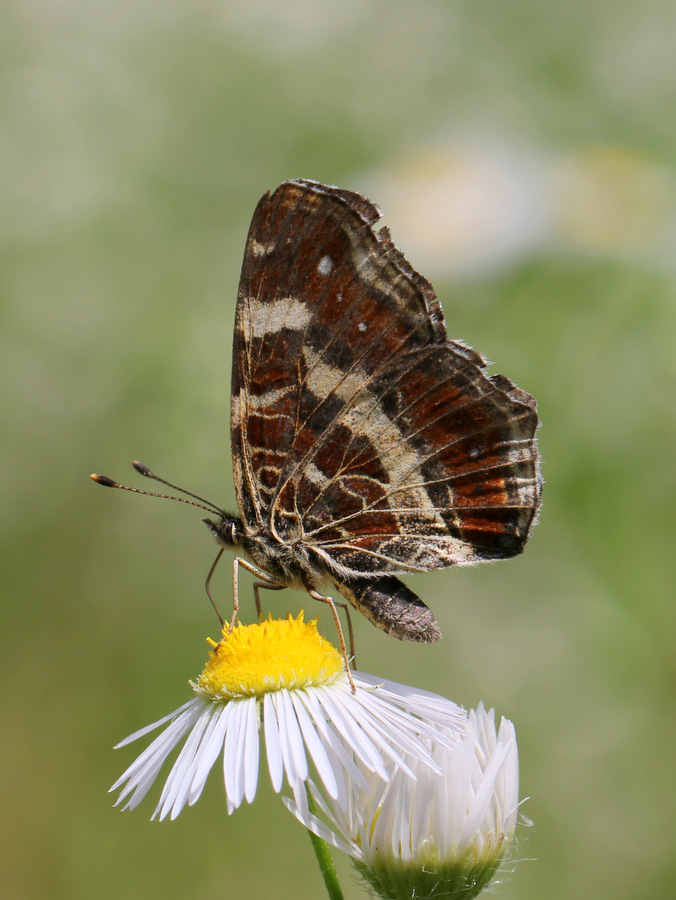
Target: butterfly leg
x: 339, y: 628
x: 270, y: 587
x: 207, y: 585
x: 350, y: 631
x: 266, y: 581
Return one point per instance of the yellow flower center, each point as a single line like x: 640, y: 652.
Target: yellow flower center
x: 256, y: 659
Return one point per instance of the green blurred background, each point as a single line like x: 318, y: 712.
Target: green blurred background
x: 523, y: 153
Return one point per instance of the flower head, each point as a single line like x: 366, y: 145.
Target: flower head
x: 441, y: 834
x: 286, y: 673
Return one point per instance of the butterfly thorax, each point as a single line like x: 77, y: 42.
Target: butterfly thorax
x: 287, y: 565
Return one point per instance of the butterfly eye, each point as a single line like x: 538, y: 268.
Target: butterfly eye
x: 225, y: 531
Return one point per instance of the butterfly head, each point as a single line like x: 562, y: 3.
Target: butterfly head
x: 227, y: 531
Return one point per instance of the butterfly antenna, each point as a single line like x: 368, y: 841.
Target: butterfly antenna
x: 108, y: 482
x: 145, y: 471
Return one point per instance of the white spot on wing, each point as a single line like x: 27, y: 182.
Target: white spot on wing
x: 314, y: 475
x: 259, y: 249
x: 325, y: 265
x: 363, y: 326
x: 274, y: 316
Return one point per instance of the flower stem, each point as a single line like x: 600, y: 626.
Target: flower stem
x: 324, y: 858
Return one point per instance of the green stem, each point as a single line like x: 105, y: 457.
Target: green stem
x: 324, y: 858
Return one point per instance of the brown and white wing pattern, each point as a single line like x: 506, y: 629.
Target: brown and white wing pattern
x: 364, y: 440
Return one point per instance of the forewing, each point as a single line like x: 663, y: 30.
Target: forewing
x: 358, y: 429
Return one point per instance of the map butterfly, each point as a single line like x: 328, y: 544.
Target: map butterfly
x: 365, y: 443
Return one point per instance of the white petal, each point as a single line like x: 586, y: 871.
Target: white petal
x: 402, y: 729
x: 481, y: 804
x: 273, y: 744
x: 162, y: 744
x: 233, y: 751
x: 316, y: 826
x: 200, y: 733
x: 352, y: 734
x: 148, y: 728
x: 251, y: 752
x: 335, y: 744
x: 293, y: 750
x: 430, y: 707
x: 141, y: 774
x: 177, y: 784
x: 385, y: 735
x: 314, y: 745
x: 212, y: 743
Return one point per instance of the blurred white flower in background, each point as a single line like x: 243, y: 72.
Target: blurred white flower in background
x: 469, y: 207
x: 464, y: 207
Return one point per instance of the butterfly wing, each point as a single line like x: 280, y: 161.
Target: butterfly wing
x: 359, y: 430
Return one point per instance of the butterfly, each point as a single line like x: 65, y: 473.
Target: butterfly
x: 365, y: 443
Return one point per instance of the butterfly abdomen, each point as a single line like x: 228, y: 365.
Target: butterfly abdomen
x: 392, y: 607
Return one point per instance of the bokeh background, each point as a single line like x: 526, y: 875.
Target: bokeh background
x: 523, y: 152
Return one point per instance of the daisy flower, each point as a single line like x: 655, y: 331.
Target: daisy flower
x: 442, y: 834
x: 284, y: 673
